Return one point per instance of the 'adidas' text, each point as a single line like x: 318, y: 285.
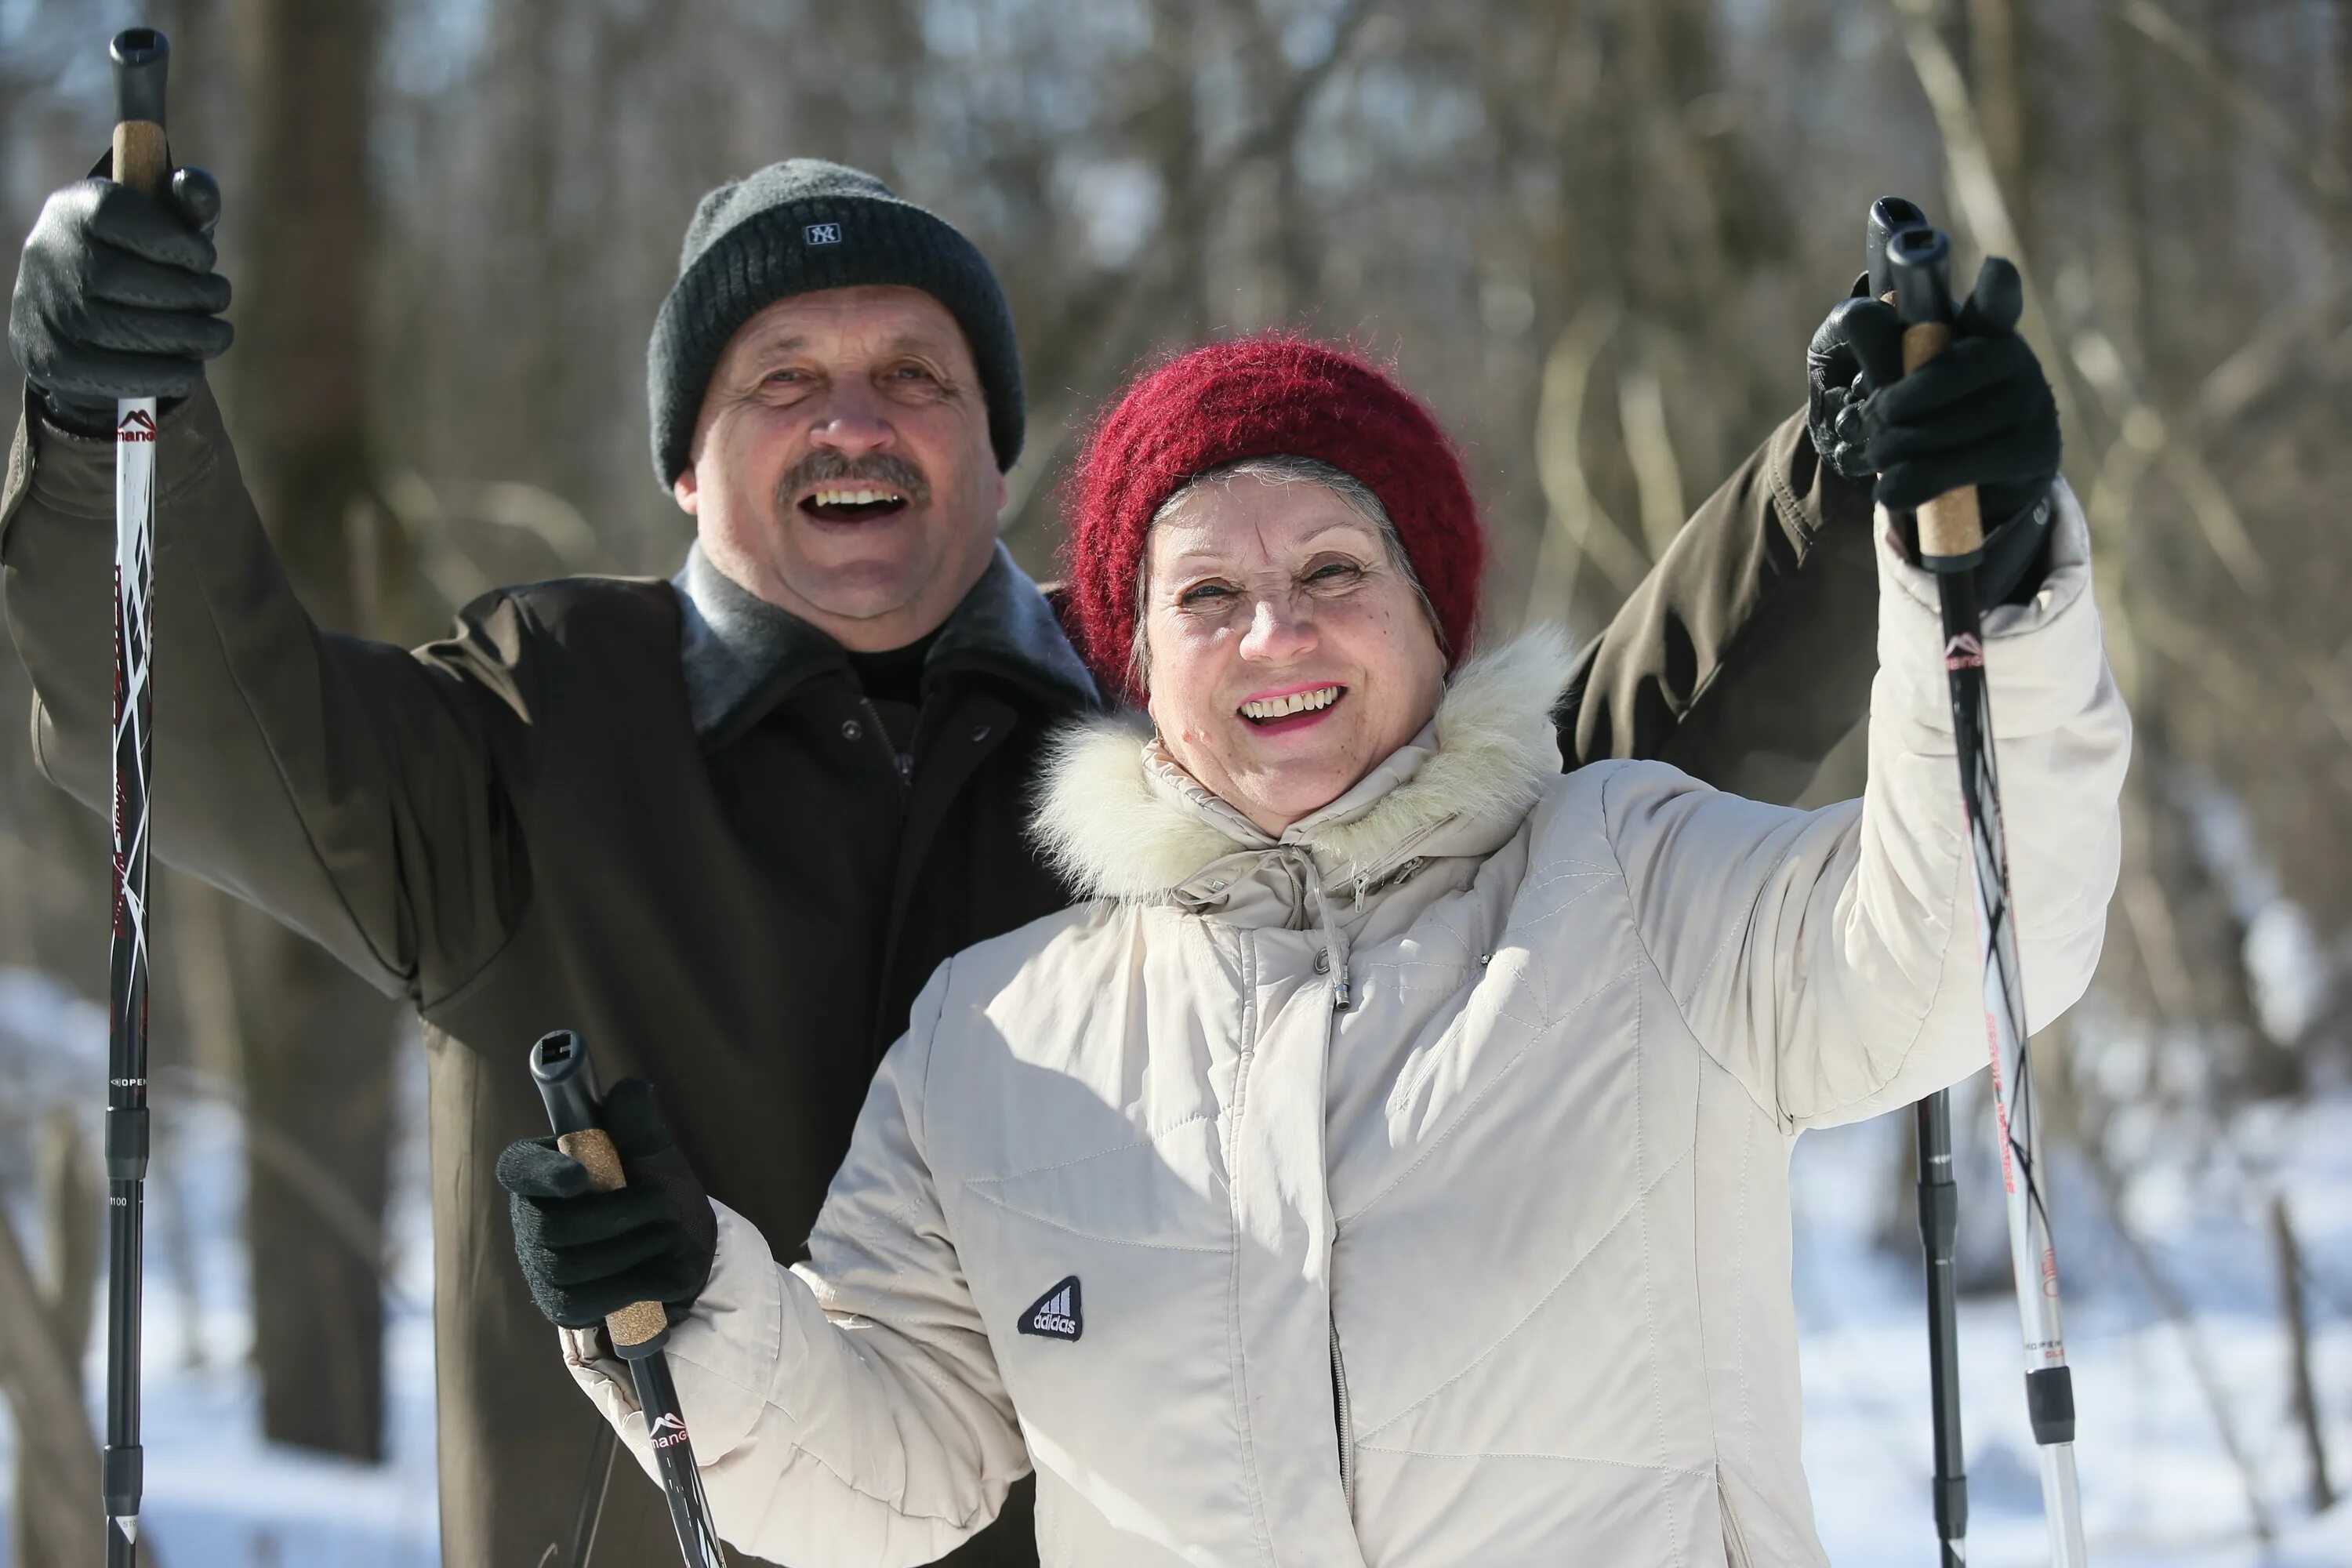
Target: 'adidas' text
x: 1056, y: 1314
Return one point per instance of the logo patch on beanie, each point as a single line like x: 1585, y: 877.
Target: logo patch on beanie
x: 822, y: 233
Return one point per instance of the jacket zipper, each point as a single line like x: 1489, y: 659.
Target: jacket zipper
x: 1346, y: 1448
x: 902, y: 763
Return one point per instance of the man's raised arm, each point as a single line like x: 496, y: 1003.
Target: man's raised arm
x: 357, y: 791
x: 1748, y: 651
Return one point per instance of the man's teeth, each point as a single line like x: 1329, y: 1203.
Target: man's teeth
x: 1297, y: 702
x: 854, y: 498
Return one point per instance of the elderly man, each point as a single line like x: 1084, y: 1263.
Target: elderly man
x: 726, y: 824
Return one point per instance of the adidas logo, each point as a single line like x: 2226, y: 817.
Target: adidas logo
x: 1056, y: 1315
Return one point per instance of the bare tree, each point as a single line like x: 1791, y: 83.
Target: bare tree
x: 57, y: 1518
x: 314, y: 1042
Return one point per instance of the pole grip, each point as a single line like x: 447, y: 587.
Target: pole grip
x: 1950, y: 525
x: 566, y: 1076
x: 1918, y: 264
x: 639, y: 1323
x: 1889, y: 215
x: 141, y: 57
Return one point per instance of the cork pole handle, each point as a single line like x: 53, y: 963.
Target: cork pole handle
x: 1950, y: 525
x: 639, y: 1321
x: 1919, y: 264
x: 141, y: 57
x: 566, y: 1076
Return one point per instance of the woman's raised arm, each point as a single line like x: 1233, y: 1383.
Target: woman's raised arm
x: 1828, y: 959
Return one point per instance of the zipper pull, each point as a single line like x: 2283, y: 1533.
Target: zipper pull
x: 901, y: 763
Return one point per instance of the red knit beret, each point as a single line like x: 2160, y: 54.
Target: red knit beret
x: 1270, y: 396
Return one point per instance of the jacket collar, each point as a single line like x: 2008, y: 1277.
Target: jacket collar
x: 742, y: 655
x: 1119, y: 819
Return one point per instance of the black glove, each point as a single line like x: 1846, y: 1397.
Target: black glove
x: 587, y: 1253
x: 116, y: 297
x: 1837, y: 378
x: 1981, y: 413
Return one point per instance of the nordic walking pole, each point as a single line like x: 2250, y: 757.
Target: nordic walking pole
x: 1951, y: 541
x: 559, y: 1065
x: 1939, y: 1216
x: 139, y: 55
x: 1939, y: 1209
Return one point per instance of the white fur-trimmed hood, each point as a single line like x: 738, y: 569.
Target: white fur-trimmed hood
x: 1119, y: 819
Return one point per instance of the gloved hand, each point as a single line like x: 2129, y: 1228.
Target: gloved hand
x: 1836, y: 381
x: 1981, y: 413
x: 586, y: 1254
x: 116, y: 297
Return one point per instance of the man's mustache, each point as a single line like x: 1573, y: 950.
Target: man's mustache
x: 838, y: 468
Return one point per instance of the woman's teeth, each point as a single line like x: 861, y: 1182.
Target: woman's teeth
x: 1297, y: 702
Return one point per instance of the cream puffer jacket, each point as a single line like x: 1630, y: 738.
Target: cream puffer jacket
x: 1410, y: 1190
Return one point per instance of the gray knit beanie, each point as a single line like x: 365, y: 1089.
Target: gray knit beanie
x: 796, y: 227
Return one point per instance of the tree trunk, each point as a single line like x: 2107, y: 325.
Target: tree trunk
x: 58, y: 1455
x: 59, y: 1519
x: 1997, y: 61
x: 2298, y: 1340
x: 313, y: 1042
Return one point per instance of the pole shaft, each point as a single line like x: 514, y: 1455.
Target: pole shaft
x: 121, y: 1481
x: 1939, y: 1214
x: 2049, y: 1389
x: 689, y: 1510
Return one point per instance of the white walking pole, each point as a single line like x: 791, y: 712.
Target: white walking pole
x: 1951, y: 539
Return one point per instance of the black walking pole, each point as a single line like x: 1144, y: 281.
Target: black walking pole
x: 1939, y: 1207
x: 567, y: 1083
x: 1951, y: 543
x: 139, y: 55
x: 1939, y: 1216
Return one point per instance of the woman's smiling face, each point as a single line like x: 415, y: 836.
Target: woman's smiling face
x: 1287, y: 653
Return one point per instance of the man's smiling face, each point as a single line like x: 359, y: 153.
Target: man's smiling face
x: 842, y: 469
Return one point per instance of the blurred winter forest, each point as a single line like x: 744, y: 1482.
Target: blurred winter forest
x: 1596, y: 232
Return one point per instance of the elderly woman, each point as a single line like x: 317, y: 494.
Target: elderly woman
x: 1388, y: 1164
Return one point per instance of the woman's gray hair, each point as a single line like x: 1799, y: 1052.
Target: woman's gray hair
x: 1280, y: 469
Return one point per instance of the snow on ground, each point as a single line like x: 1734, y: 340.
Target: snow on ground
x: 217, y: 1495
x: 2160, y: 1490
x: 2158, y: 1486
